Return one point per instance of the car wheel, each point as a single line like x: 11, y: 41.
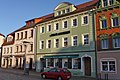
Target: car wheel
x: 44, y: 76
x: 59, y: 78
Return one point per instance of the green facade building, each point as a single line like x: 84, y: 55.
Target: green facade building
x: 65, y: 39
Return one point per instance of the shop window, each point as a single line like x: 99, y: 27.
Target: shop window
x: 76, y: 63
x: 50, y: 62
x: 108, y: 65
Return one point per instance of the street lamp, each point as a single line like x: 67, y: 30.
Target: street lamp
x: 25, y: 44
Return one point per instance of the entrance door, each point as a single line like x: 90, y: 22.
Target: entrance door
x: 87, y: 66
x: 30, y: 64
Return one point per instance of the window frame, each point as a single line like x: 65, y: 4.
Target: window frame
x: 83, y: 21
x: 41, y: 45
x: 83, y: 39
x: 72, y: 20
x: 75, y: 40
x: 108, y: 60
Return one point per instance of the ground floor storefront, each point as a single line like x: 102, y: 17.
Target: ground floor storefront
x: 18, y: 61
x: 80, y: 64
x: 108, y: 64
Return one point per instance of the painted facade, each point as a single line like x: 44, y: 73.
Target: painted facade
x: 2, y: 38
x: 65, y: 39
x: 7, y: 51
x: 108, y: 39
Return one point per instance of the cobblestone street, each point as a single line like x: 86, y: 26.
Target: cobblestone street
x: 16, y: 74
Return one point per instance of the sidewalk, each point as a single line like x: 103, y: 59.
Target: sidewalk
x: 37, y: 74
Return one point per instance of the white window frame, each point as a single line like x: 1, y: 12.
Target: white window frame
x: 55, y: 26
x: 108, y: 60
x: 55, y: 43
x: 73, y: 40
x: 63, y: 25
x: 84, y: 39
x: 82, y: 19
x: 63, y: 45
x: 41, y: 29
x: 72, y: 22
x: 40, y: 44
x: 48, y: 44
x: 48, y: 27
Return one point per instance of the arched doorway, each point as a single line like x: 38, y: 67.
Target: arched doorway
x: 87, y: 66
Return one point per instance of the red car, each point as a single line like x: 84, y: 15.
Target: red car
x: 57, y: 74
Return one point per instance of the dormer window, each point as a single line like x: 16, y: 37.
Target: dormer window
x: 9, y: 38
x: 59, y: 12
x: 63, y: 11
x: 68, y: 10
x: 64, y: 8
x: 108, y: 3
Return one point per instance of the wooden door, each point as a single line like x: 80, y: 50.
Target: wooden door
x: 87, y: 64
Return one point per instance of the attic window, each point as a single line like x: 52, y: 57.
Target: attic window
x: 68, y: 10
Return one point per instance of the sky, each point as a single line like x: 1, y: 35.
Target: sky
x: 14, y: 13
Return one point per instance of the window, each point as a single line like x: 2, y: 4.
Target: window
x: 65, y: 24
x: 59, y: 12
x: 111, y: 2
x: 104, y: 24
x: 42, y: 30
x: 105, y: 3
x: 84, y: 19
x: 21, y: 35
x: 65, y: 42
x: 10, y: 49
x: 49, y: 28
x: 31, y: 47
x: 56, y: 26
x: 50, y: 62
x: 63, y: 11
x: 20, y: 48
x: 74, y: 40
x: 76, y: 63
x: 49, y: 44
x: 56, y: 43
x: 31, y: 33
x: 16, y: 48
x: 41, y: 44
x: 7, y: 50
x: 74, y: 22
x: 17, y: 36
x: 108, y: 66
x: 68, y: 10
x: 104, y: 43
x: 86, y: 39
x: 116, y: 42
x: 115, y: 22
x: 64, y: 63
x: 25, y: 34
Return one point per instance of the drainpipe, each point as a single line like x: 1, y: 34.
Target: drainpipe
x: 35, y: 46
x: 94, y: 36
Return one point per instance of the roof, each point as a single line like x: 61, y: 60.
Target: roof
x: 81, y: 7
x: 11, y: 42
x: 2, y: 35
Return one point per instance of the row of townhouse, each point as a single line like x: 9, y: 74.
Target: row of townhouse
x: 83, y: 38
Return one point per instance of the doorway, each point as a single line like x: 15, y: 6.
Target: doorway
x: 87, y: 66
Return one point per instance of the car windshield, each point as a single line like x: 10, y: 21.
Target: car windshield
x: 66, y: 70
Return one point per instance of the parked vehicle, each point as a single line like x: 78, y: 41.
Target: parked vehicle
x: 57, y: 74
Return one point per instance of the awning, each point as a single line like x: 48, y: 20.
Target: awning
x: 62, y: 56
